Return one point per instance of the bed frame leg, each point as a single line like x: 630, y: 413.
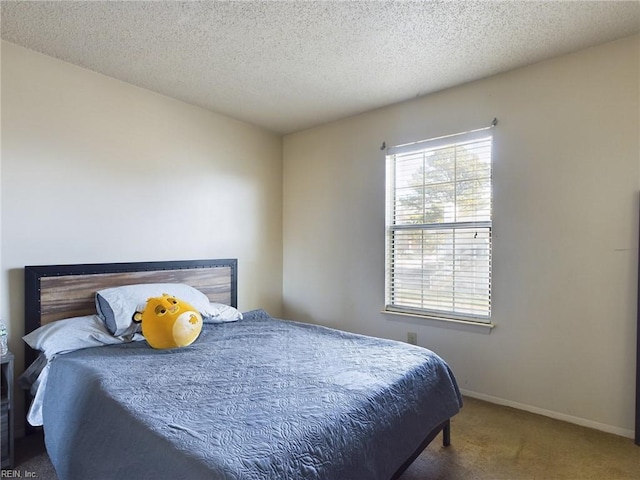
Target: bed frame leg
x: 446, y: 434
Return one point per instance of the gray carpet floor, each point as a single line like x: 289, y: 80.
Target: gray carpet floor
x: 488, y: 442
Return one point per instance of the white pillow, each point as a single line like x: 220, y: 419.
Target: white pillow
x: 220, y: 313
x: 116, y: 306
x: 71, y: 334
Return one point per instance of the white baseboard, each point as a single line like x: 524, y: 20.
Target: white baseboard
x: 623, y: 432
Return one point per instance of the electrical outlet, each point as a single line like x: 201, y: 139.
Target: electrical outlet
x: 412, y: 338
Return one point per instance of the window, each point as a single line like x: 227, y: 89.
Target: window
x: 438, y: 227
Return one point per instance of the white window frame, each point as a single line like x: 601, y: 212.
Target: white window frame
x: 479, y: 314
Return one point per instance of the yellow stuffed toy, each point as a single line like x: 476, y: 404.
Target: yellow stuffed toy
x: 168, y: 322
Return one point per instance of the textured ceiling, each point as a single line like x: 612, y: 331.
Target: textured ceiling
x: 287, y: 66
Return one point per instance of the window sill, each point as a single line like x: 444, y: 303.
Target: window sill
x: 450, y: 323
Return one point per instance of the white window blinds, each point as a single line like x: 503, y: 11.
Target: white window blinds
x: 438, y: 225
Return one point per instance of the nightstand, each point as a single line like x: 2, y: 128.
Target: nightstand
x: 6, y: 409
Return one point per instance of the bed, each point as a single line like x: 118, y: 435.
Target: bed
x: 256, y: 398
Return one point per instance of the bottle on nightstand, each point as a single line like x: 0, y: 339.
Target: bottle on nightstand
x: 3, y: 338
x: 6, y: 401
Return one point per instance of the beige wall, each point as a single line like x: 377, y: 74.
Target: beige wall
x: 566, y: 182
x: 97, y: 170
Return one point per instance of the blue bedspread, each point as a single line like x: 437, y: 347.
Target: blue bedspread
x: 256, y: 399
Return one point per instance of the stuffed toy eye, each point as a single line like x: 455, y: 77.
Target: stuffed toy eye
x: 160, y: 310
x: 172, y: 301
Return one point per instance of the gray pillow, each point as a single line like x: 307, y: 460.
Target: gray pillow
x: 71, y: 334
x: 116, y: 306
x: 220, y: 313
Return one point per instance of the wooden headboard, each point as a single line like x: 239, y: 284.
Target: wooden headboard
x: 54, y: 292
